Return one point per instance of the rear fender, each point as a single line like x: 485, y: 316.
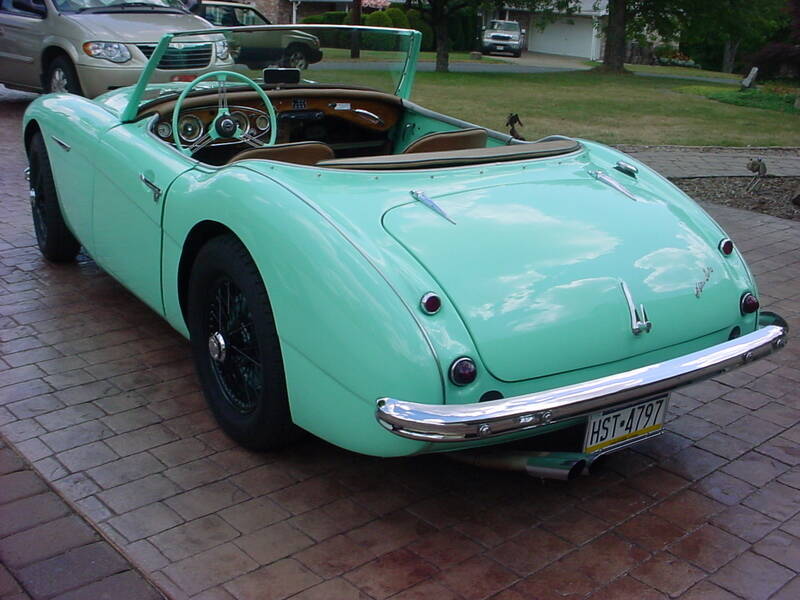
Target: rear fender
x: 345, y: 334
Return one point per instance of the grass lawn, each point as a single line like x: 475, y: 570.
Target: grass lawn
x: 611, y: 109
x: 340, y: 54
x: 676, y: 71
x: 768, y: 98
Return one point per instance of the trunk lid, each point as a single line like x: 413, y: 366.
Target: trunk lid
x: 535, y: 271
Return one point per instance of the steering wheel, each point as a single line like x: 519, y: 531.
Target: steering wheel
x: 223, y: 126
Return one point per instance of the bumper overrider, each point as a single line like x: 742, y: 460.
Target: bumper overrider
x: 470, y: 422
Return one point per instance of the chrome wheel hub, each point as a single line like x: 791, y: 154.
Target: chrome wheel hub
x: 58, y: 82
x: 217, y: 347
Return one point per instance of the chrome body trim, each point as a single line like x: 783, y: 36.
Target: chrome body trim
x: 61, y: 143
x: 468, y: 422
x: 639, y: 320
x: 627, y: 168
x: 420, y: 196
x: 611, y: 182
x: 154, y: 189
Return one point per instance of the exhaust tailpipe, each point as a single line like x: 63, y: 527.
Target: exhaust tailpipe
x: 563, y: 466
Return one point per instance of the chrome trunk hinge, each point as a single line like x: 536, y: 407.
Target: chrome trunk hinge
x: 423, y: 197
x: 639, y: 321
x: 611, y: 182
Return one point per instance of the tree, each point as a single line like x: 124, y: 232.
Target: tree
x: 438, y: 12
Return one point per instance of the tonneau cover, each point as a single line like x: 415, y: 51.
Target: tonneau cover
x: 422, y: 160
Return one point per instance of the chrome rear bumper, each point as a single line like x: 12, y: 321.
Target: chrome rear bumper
x: 466, y: 422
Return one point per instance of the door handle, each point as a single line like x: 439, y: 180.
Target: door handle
x: 151, y: 186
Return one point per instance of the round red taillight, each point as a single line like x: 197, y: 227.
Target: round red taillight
x: 749, y: 304
x: 726, y: 246
x: 463, y: 371
x: 430, y: 303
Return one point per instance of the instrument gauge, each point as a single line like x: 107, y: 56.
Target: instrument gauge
x: 190, y: 128
x: 164, y: 130
x: 241, y: 120
x: 262, y: 122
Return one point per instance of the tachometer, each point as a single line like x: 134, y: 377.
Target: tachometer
x: 190, y: 128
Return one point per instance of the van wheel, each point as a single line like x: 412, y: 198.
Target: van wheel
x: 235, y: 347
x: 55, y: 240
x: 62, y: 78
x: 295, y: 57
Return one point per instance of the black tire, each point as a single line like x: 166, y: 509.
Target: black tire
x: 244, y: 385
x: 55, y: 240
x: 518, y: 54
x: 296, y: 57
x: 62, y: 77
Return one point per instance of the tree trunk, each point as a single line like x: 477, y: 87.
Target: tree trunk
x: 729, y: 55
x: 614, y: 59
x: 355, y: 39
x: 442, y: 51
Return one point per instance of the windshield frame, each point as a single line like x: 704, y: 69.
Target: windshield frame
x: 403, y: 90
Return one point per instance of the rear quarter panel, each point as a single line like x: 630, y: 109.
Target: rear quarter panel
x: 346, y: 337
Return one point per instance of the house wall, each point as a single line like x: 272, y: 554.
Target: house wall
x: 569, y: 36
x: 277, y: 11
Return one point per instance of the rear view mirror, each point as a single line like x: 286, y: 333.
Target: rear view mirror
x: 36, y: 7
x: 281, y: 75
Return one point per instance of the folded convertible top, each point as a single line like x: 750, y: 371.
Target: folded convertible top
x: 423, y: 160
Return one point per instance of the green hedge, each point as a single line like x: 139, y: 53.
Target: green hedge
x: 398, y: 17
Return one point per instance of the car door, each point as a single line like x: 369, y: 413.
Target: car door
x: 134, y: 172
x: 21, y: 35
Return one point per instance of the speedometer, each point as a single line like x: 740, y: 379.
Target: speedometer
x: 190, y: 128
x: 262, y: 122
x: 241, y: 120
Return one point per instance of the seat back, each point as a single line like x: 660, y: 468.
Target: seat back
x: 298, y: 153
x: 444, y: 141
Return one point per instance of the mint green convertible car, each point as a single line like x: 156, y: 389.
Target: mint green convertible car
x: 388, y: 278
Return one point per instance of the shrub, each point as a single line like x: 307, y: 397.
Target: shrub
x: 376, y: 41
x: 398, y: 17
x: 778, y: 60
x: 334, y: 17
x: 379, y: 18
x: 415, y: 21
x: 312, y: 20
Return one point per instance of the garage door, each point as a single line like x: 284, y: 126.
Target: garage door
x: 571, y: 37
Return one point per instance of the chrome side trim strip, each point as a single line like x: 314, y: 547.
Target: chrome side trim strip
x: 61, y: 143
x: 464, y: 422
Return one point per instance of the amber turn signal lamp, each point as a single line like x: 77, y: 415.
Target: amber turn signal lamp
x: 749, y: 304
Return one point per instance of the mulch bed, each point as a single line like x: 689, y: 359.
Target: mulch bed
x: 773, y: 196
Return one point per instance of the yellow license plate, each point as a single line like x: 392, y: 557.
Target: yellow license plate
x: 621, y: 425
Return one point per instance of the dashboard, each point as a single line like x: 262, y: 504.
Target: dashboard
x: 353, y: 124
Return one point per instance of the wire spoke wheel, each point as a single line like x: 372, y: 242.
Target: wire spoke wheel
x: 233, y: 346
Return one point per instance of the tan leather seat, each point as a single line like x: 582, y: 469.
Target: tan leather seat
x: 298, y: 153
x: 443, y: 141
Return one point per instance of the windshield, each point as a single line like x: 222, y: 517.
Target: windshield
x: 382, y: 59
x: 73, y: 6
x: 231, y: 16
x: 504, y: 26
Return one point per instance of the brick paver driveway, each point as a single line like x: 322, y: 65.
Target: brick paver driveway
x: 100, y: 394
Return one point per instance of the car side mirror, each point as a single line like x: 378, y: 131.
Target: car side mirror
x: 523, y: 32
x: 36, y: 7
x: 483, y: 28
